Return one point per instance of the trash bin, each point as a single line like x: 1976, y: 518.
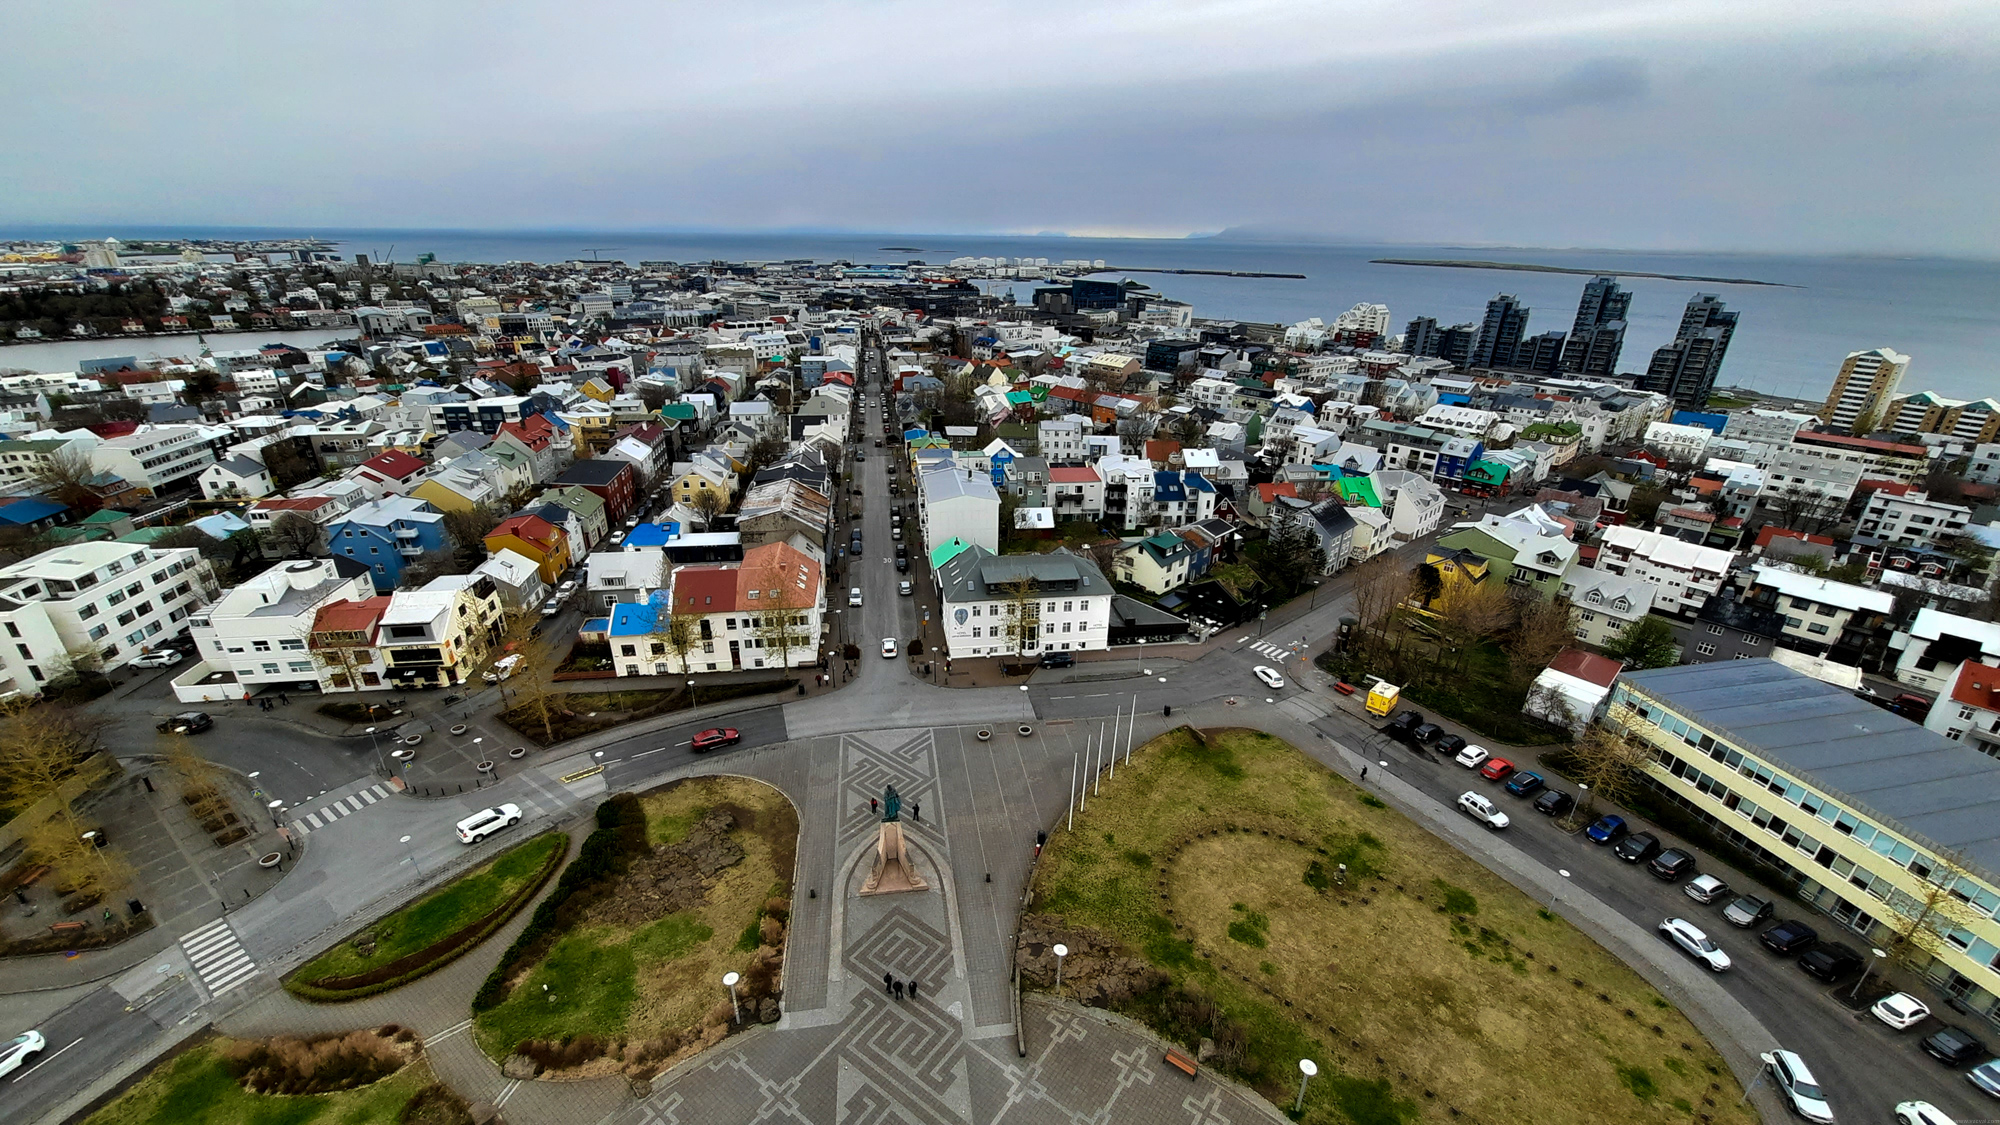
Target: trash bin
x: 135, y: 907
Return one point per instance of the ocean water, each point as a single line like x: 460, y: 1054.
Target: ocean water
x: 1944, y: 313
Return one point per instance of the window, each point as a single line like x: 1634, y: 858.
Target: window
x: 1751, y: 640
x: 260, y: 646
x: 1817, y: 630
x: 299, y: 666
x: 1965, y: 712
x: 1823, y: 610
x: 1715, y: 630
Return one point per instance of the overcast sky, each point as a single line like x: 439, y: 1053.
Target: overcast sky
x: 1682, y: 124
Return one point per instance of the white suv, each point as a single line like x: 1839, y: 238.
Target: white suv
x: 1798, y: 1085
x: 486, y: 822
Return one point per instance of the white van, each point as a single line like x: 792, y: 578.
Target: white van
x: 486, y: 822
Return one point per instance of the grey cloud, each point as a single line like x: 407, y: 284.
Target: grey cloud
x: 1898, y: 70
x: 1599, y: 82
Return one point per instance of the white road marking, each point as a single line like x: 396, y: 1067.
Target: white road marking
x: 47, y: 1061
x: 643, y: 753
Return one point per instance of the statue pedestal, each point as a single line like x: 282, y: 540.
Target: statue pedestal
x: 893, y: 870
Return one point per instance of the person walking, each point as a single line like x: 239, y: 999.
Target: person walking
x: 899, y: 990
x: 888, y: 982
x: 874, y: 806
x: 916, y: 811
x: 913, y: 990
x: 1364, y: 773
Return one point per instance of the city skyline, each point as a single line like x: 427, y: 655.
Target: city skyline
x: 807, y: 118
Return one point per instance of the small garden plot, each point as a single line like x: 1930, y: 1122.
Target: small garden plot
x: 1204, y: 892
x: 628, y: 979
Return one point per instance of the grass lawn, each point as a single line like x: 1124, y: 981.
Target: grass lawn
x: 443, y: 912
x: 1483, y: 698
x: 1423, y: 984
x: 195, y: 1089
x: 643, y: 979
x: 590, y: 711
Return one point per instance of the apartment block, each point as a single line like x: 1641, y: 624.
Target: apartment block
x: 114, y: 599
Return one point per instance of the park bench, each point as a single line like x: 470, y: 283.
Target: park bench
x: 68, y: 928
x: 1182, y: 1063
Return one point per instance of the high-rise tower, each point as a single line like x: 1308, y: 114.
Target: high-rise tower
x: 1500, y: 335
x: 1599, y: 332
x: 1862, y: 390
x: 1685, y: 370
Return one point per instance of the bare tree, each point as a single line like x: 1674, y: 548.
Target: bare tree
x: 468, y: 528
x: 1609, y: 764
x: 783, y: 628
x: 1542, y: 628
x: 1024, y: 612
x: 678, y: 633
x: 1469, y: 614
x: 709, y: 503
x: 429, y: 565
x: 532, y: 681
x: 1942, y: 905
x: 66, y: 477
x: 292, y: 536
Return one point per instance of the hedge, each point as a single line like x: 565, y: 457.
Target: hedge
x: 599, y: 864
x: 432, y: 957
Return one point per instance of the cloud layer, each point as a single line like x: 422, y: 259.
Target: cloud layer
x: 1697, y: 124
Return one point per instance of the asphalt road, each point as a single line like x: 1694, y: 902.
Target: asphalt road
x: 631, y: 762
x: 94, y: 1035
x: 1866, y: 1067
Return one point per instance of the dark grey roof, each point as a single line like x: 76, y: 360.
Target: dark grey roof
x: 976, y: 574
x: 1936, y: 792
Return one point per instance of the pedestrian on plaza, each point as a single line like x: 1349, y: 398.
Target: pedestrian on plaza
x: 913, y: 990
x: 888, y: 982
x: 1364, y: 773
x: 874, y: 806
x: 916, y: 811
x: 899, y: 990
x: 284, y: 699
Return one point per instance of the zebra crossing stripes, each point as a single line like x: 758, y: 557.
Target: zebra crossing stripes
x: 346, y: 806
x: 1275, y: 652
x: 217, y: 957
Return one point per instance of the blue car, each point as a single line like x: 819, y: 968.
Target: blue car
x: 1524, y: 784
x: 1607, y: 830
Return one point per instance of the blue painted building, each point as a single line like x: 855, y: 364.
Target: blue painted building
x: 386, y: 534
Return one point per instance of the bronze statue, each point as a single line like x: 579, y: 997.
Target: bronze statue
x: 892, y: 805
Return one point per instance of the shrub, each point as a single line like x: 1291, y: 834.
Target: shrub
x: 435, y: 1104
x: 599, y: 863
x: 290, y: 1065
x: 565, y: 1053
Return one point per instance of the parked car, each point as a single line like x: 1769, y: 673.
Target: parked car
x: 1472, y: 757
x: 17, y: 1052
x: 1789, y: 937
x: 714, y: 737
x: 888, y: 647
x: 1609, y: 829
x: 1705, y: 889
x: 158, y: 658
x: 1554, y: 802
x: 904, y: 588
x: 1901, y: 1010
x: 1953, y: 1046
x: 187, y: 722
x: 551, y: 607
x: 1672, y: 865
x: 1401, y: 726
x: 1524, y: 784
x: 1986, y: 1076
x: 486, y: 822
x: 1269, y: 676
x: 1637, y: 848
x: 1482, y: 810
x: 1792, y: 1078
x: 1449, y: 744
x: 1689, y: 937
x: 502, y: 668
x: 1920, y: 1113
x: 903, y: 565
x: 1058, y: 660
x: 1747, y: 911
x: 1425, y: 734
x: 1830, y: 962
x: 1496, y: 769
x: 854, y: 596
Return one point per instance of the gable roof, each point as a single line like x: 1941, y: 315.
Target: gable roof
x: 528, y: 529
x: 393, y: 464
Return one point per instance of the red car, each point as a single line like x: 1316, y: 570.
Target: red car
x: 716, y: 736
x: 1496, y: 769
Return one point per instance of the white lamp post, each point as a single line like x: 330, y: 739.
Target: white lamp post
x: 729, y: 981
x: 1879, y: 955
x: 412, y: 856
x: 277, y: 808
x: 1564, y: 872
x: 1061, y: 951
x: 1307, y: 1068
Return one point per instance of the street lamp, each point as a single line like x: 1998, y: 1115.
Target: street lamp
x: 691, y: 703
x: 1307, y: 1068
x: 277, y: 811
x: 1061, y: 951
x: 729, y: 982
x: 411, y: 856
x: 376, y: 745
x: 1879, y: 955
x: 1564, y: 872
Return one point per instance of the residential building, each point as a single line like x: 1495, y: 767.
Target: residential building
x: 1414, y: 505
x: 1775, y: 428
x: 1685, y: 369
x: 1572, y: 690
x: 1912, y: 519
x: 518, y: 577
x: 776, y: 510
x: 269, y: 518
x: 1022, y: 605
x: 389, y: 473
x: 766, y: 611
x: 1936, y: 643
x: 1604, y: 604
x: 1823, y: 617
x: 1528, y: 548
x: 1727, y: 627
x: 1598, y: 334
x: 1679, y: 443
x: 239, y: 478
x: 1156, y: 564
x: 153, y: 457
x: 1500, y: 333
x: 344, y: 645
x: 256, y: 634
x: 592, y: 517
x: 624, y: 577
x: 1878, y: 459
x: 116, y: 600
x: 1984, y: 466
x: 1857, y: 811
x: 1859, y: 398
x: 384, y: 535
x: 1968, y: 710
x: 1684, y: 575
x: 955, y: 503
x: 537, y: 539
x: 1328, y: 521
x: 615, y: 482
x: 441, y: 633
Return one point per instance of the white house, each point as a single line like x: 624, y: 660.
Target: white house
x: 959, y: 504
x: 1685, y: 574
x: 153, y: 457
x: 1603, y: 603
x: 240, y: 477
x: 1679, y: 443
x: 116, y: 599
x: 1935, y: 645
x: 258, y: 633
x: 1070, y: 610
x: 1912, y: 519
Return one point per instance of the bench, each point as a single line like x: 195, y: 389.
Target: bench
x: 68, y: 928
x: 1182, y: 1063
x: 34, y: 874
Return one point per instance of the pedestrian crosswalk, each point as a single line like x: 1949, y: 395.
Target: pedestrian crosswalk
x: 217, y: 958
x: 1274, y: 651
x: 334, y: 810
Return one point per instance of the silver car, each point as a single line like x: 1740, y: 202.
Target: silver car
x: 1690, y: 938
x: 18, y: 1051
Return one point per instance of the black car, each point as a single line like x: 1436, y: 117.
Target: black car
x: 1401, y: 726
x: 1788, y: 937
x: 187, y: 722
x: 1554, y: 802
x: 1058, y: 660
x: 1673, y: 865
x: 1425, y: 734
x: 1830, y: 962
x: 1449, y: 744
x: 903, y: 566
x: 1637, y: 848
x: 1954, y: 1046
